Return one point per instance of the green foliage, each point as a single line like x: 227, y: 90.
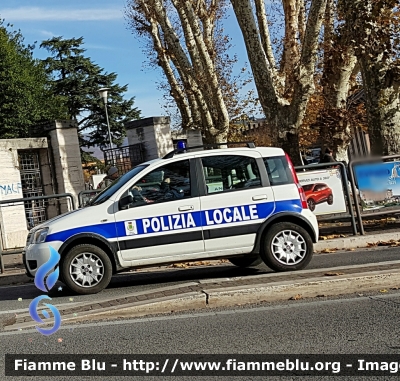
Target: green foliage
x: 25, y: 98
x: 76, y: 79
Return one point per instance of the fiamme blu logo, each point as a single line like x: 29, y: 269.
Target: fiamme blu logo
x: 45, y: 278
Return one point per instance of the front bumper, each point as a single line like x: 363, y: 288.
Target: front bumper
x: 35, y: 255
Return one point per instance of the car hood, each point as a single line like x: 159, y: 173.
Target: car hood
x: 52, y: 220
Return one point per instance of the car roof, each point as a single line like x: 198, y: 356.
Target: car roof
x: 264, y: 151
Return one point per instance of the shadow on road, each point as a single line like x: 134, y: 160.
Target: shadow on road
x: 190, y: 274
x: 156, y: 276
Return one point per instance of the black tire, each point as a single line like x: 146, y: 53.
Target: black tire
x: 97, y: 261
x: 298, y: 240
x: 247, y: 261
x: 311, y: 204
x: 330, y: 200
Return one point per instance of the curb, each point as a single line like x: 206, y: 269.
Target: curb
x: 14, y: 279
x: 310, y: 288
x: 223, y: 297
x: 355, y: 242
x: 220, y: 296
x: 256, y: 294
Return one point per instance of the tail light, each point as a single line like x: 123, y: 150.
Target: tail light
x: 302, y: 194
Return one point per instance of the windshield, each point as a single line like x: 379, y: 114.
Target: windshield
x: 116, y: 185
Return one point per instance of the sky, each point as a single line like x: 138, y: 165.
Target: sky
x: 107, y: 40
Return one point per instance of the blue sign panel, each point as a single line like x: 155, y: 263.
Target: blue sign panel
x: 378, y: 184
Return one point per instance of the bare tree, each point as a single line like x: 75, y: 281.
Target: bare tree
x: 374, y: 26
x: 284, y: 90
x: 189, y: 46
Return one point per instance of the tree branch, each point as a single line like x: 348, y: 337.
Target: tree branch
x: 264, y: 33
x: 304, y: 82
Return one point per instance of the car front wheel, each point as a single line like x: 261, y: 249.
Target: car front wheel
x: 287, y: 247
x: 86, y: 269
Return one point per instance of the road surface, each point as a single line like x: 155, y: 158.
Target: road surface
x: 347, y: 325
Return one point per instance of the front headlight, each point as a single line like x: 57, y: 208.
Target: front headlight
x: 40, y: 235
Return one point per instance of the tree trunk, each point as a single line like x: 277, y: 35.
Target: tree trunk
x: 284, y: 110
x: 375, y: 34
x: 289, y: 142
x: 383, y: 107
x: 339, y: 63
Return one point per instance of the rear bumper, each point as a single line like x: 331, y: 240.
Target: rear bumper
x: 312, y: 219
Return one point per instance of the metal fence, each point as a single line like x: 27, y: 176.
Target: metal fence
x: 345, y: 188
x: 124, y: 158
x: 85, y: 196
x: 356, y: 191
x: 30, y: 220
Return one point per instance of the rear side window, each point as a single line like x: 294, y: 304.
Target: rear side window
x: 278, y: 170
x: 230, y: 172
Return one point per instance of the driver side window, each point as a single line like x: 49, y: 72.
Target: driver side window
x: 167, y: 183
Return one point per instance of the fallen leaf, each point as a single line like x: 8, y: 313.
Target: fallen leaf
x: 297, y: 297
x: 383, y: 291
x: 329, y: 250
x: 333, y: 274
x: 179, y: 265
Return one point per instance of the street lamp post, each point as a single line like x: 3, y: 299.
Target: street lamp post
x: 103, y: 94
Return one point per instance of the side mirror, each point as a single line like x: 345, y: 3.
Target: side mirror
x: 124, y: 201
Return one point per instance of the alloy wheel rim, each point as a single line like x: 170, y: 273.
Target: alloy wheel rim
x: 289, y: 247
x: 86, y: 270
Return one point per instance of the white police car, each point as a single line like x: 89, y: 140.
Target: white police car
x: 244, y: 204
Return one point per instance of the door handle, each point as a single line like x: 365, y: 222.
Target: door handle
x: 185, y: 208
x: 260, y: 197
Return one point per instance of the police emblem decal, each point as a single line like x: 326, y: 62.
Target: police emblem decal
x: 130, y: 227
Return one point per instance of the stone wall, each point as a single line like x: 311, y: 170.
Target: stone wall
x: 154, y: 133
x: 13, y: 222
x: 66, y: 159
x: 60, y: 169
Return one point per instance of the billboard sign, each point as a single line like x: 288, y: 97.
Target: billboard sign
x: 324, y: 190
x: 378, y: 184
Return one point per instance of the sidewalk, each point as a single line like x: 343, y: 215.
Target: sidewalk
x: 333, y: 237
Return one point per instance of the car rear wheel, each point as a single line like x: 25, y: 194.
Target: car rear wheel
x: 311, y: 204
x: 86, y: 269
x: 247, y: 261
x: 330, y: 199
x: 287, y: 247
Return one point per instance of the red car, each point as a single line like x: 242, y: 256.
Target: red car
x: 317, y: 193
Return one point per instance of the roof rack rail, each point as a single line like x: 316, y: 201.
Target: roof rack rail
x: 212, y: 145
